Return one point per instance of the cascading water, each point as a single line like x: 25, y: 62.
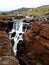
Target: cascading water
x: 18, y: 28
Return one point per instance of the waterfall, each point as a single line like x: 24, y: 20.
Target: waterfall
x: 19, y: 27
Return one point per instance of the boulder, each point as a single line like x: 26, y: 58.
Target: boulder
x: 5, y: 44
x: 28, y: 20
x: 8, y: 60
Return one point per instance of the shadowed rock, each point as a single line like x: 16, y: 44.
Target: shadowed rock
x: 6, y: 26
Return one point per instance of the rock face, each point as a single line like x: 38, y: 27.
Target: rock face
x: 6, y: 26
x: 8, y: 60
x: 5, y: 44
x: 5, y: 18
x: 6, y: 51
x: 28, y: 20
x: 19, y: 17
x: 34, y: 49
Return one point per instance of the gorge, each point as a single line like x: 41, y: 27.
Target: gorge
x: 19, y: 27
x: 24, y: 41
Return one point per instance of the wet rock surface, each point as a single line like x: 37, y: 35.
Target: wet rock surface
x: 34, y: 49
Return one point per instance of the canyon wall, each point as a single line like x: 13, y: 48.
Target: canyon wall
x: 34, y: 49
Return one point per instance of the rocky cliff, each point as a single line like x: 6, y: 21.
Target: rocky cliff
x: 5, y: 44
x: 6, y: 51
x: 34, y: 49
x: 6, y: 26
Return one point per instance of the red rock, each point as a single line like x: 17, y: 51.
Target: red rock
x: 36, y: 44
x: 36, y: 26
x: 45, y: 31
x: 8, y: 60
x: 5, y: 44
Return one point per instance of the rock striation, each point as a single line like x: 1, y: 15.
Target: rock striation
x: 8, y: 60
x: 5, y: 45
x: 34, y: 49
x: 6, y: 50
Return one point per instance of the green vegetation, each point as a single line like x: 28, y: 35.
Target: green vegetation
x: 4, y: 13
x: 43, y: 10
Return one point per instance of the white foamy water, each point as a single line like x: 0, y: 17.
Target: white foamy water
x: 18, y: 26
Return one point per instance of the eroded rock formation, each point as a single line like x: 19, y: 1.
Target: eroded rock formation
x: 8, y: 60
x: 34, y: 49
x: 5, y: 45
x: 6, y: 51
x: 6, y: 26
